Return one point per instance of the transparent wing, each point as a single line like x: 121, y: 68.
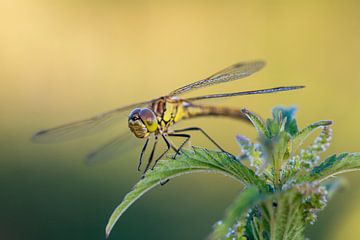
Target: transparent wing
x: 116, y: 146
x: 234, y: 72
x: 84, y: 127
x: 261, y: 91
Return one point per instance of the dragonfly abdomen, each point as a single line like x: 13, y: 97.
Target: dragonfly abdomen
x: 192, y: 111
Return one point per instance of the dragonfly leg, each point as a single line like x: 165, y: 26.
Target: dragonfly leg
x: 164, y: 182
x: 168, y: 148
x: 203, y: 132
x: 151, y: 156
x: 169, y: 145
x: 187, y: 136
x: 142, y: 153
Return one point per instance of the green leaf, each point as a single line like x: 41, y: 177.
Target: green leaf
x: 198, y: 160
x: 273, y: 127
x: 257, y: 122
x: 303, y: 134
x: 248, y: 198
x: 281, y: 114
x: 336, y: 164
x: 276, y: 150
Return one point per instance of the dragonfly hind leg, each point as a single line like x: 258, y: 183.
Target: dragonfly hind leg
x: 203, y: 132
x: 169, y: 145
x: 187, y: 136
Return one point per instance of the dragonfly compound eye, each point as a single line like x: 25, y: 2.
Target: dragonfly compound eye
x: 149, y: 119
x: 136, y: 124
x: 134, y: 115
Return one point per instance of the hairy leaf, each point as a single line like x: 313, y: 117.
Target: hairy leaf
x: 303, y: 134
x: 288, y: 113
x: 198, y: 160
x: 336, y: 164
x: 257, y: 122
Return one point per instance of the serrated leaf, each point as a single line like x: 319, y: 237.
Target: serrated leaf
x: 303, y: 134
x: 248, y: 198
x: 334, y: 165
x: 257, y: 122
x: 198, y: 160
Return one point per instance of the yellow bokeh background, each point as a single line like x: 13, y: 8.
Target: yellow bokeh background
x: 67, y: 60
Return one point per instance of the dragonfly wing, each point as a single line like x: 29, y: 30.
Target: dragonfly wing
x: 234, y: 72
x: 261, y: 91
x: 117, y: 145
x: 84, y: 127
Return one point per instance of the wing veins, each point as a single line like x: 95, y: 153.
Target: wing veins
x: 107, y: 150
x: 261, y: 91
x: 234, y: 72
x: 82, y: 127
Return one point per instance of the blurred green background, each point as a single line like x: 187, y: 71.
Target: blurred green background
x: 67, y: 60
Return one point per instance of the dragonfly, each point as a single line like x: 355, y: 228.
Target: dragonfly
x: 155, y: 119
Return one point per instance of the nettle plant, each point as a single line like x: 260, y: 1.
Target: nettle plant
x: 286, y: 182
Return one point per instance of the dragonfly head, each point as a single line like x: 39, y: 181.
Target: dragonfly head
x: 142, y: 122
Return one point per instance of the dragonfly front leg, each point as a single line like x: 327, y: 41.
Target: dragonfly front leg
x: 151, y: 156
x: 142, y: 153
x: 203, y: 132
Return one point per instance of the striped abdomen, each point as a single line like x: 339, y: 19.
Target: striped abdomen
x: 192, y: 110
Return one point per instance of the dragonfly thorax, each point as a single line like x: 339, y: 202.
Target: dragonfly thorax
x: 142, y: 122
